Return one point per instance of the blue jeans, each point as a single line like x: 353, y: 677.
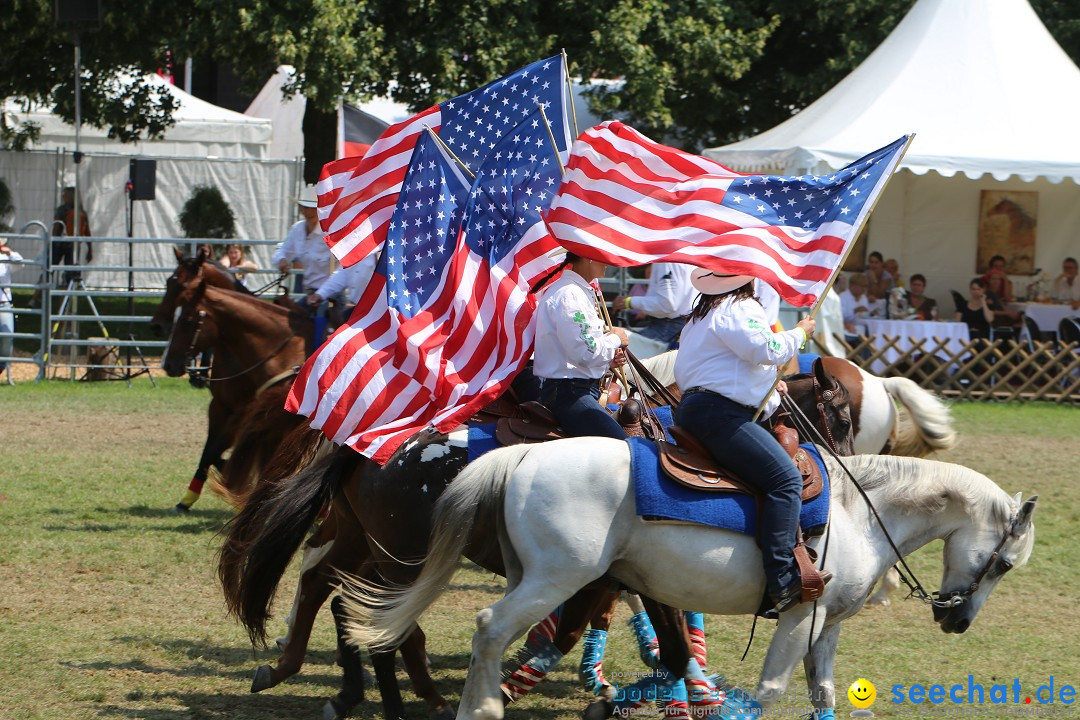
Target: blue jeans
x: 663, y: 329
x: 7, y: 325
x: 751, y: 451
x: 576, y: 404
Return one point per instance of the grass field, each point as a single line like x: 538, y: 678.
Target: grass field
x: 109, y: 606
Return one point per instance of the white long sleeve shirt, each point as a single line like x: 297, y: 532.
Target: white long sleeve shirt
x: 5, y: 274
x: 670, y: 293
x: 733, y: 352
x: 1064, y: 292
x: 310, y: 249
x: 570, y: 337
x: 354, y: 278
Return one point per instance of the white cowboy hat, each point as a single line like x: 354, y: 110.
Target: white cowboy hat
x: 708, y: 282
x: 308, y: 197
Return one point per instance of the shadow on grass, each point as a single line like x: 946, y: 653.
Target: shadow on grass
x: 197, y: 522
x: 228, y: 655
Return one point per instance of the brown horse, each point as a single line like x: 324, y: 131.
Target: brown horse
x: 256, y: 347
x: 381, y: 519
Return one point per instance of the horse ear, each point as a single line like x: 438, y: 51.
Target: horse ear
x: 179, y: 253
x: 1023, y: 518
x: 822, y: 375
x: 201, y: 255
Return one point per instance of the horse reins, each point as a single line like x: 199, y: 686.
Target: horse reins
x: 195, y: 340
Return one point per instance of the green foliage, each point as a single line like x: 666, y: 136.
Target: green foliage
x: 7, y: 207
x: 207, y: 215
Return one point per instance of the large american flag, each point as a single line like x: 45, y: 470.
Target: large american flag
x: 628, y: 200
x: 357, y: 198
x: 446, y: 322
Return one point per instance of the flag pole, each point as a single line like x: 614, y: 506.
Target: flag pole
x: 551, y: 136
x: 570, y: 91
x: 839, y: 266
x: 450, y: 152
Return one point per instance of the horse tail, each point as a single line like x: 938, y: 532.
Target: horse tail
x: 925, y: 425
x: 381, y: 617
x: 268, y: 530
x: 271, y: 443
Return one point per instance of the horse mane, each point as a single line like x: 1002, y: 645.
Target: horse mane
x: 220, y: 267
x: 919, y: 485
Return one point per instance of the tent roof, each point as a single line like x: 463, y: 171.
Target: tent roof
x: 983, y: 86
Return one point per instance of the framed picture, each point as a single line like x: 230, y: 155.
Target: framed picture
x: 1007, y: 223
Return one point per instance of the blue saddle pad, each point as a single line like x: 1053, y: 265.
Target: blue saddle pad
x: 806, y: 363
x: 658, y: 496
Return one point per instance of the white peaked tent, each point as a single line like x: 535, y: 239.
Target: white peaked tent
x: 993, y: 101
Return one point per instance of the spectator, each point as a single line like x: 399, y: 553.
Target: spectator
x: 1066, y: 286
x: 977, y: 312
x: 7, y: 318
x: 998, y: 285
x: 305, y: 244
x: 855, y: 303
x: 668, y: 302
x: 925, y: 308
x: 64, y: 251
x: 234, y: 260
x: 892, y: 266
x: 879, y: 281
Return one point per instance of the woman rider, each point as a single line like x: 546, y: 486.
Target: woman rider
x: 727, y: 362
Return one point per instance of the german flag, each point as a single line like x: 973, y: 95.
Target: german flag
x: 357, y: 130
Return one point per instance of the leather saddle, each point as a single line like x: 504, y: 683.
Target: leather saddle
x: 689, y: 463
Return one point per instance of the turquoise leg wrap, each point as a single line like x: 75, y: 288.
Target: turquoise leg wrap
x: 824, y: 714
x: 695, y: 625
x: 592, y: 658
x: 648, y: 648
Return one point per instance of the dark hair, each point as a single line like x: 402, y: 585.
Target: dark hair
x: 539, y: 284
x: 1069, y: 259
x: 978, y: 281
x: 875, y: 254
x: 705, y: 303
x: 995, y: 259
x: 916, y: 276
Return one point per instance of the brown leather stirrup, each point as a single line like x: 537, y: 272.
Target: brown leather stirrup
x: 813, y: 582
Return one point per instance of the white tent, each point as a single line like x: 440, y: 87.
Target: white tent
x: 201, y: 130
x: 993, y: 101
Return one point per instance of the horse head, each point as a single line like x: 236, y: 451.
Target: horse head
x: 970, y: 575
x: 188, y: 270
x: 823, y: 400
x: 193, y: 329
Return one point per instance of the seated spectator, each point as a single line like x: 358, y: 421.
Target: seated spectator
x: 855, y: 303
x: 925, y: 308
x: 234, y: 259
x: 976, y: 313
x: 892, y: 266
x: 998, y: 284
x: 1066, y: 286
x: 880, y: 282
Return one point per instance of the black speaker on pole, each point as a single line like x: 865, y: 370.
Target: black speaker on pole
x: 143, y: 171
x: 78, y: 12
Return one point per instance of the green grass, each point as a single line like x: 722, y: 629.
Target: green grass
x: 109, y: 606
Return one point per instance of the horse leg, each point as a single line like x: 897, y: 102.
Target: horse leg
x: 414, y: 654
x: 788, y: 646
x: 889, y: 583
x: 352, y: 666
x: 215, y: 445
x: 644, y: 633
x: 818, y: 664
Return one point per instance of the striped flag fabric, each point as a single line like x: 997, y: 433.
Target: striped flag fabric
x: 627, y: 200
x: 446, y: 322
x: 357, y: 207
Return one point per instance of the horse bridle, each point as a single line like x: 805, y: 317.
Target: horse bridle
x: 195, y: 339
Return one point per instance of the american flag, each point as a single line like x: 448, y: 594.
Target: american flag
x: 627, y: 200
x: 355, y: 204
x: 446, y: 322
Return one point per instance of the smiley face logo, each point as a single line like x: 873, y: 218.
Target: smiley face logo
x: 862, y: 693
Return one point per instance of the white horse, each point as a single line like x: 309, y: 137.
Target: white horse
x: 566, y: 514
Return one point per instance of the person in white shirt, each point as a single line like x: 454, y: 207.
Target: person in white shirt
x: 573, y: 350
x: 667, y: 303
x: 7, y: 318
x: 727, y: 364
x: 855, y: 304
x: 305, y: 244
x: 352, y: 280
x: 1067, y: 285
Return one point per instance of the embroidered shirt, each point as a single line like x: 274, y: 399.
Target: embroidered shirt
x: 310, y: 249
x: 733, y: 352
x: 570, y: 337
x: 355, y: 278
x: 670, y: 293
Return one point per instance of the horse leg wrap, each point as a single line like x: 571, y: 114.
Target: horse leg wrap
x: 735, y: 704
x: 545, y: 656
x: 823, y: 714
x: 695, y: 624
x: 648, y: 647
x: 194, y: 489
x: 544, y: 630
x: 592, y: 658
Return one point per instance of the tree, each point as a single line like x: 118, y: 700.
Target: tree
x: 207, y: 215
x: 7, y: 207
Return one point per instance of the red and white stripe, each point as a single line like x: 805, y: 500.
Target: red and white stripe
x: 355, y: 206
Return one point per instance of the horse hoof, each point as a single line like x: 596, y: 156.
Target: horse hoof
x: 281, y: 642
x: 607, y: 692
x: 263, y: 679
x: 181, y: 509
x: 599, y: 709
x: 447, y: 713
x: 330, y: 711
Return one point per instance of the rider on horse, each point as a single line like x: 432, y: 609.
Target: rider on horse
x: 726, y: 365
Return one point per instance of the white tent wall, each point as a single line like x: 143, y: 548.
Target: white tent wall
x: 259, y: 192
x: 930, y: 224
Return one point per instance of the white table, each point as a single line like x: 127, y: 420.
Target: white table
x: 1046, y: 316
x: 908, y: 332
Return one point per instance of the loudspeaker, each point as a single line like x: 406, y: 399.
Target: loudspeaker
x: 80, y: 12
x: 142, y: 172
